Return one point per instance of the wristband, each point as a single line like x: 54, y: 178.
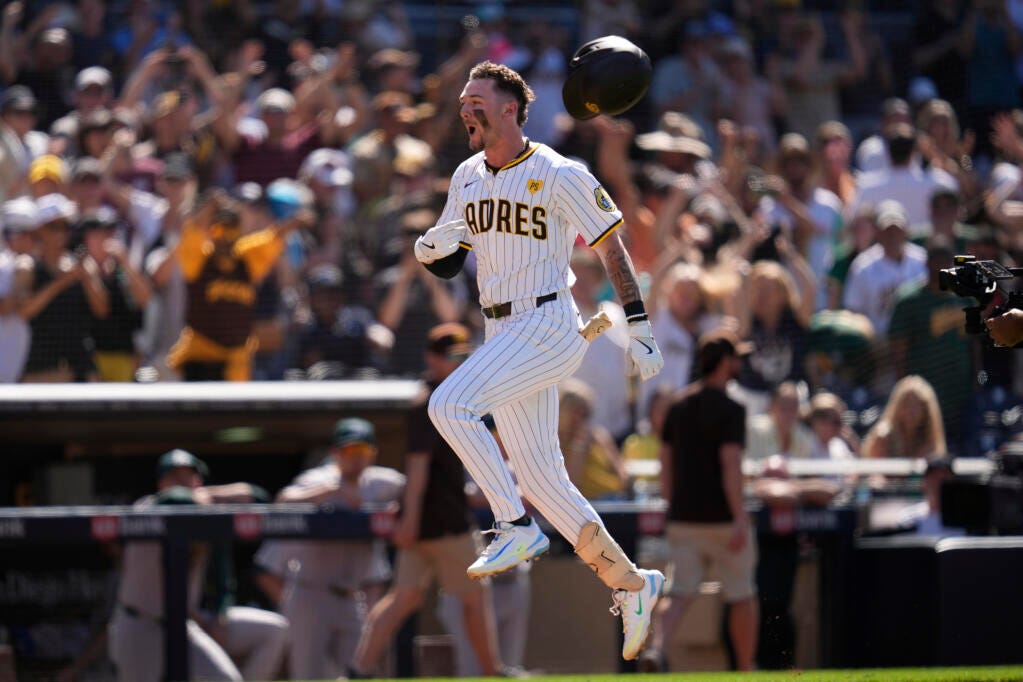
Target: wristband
x: 635, y: 311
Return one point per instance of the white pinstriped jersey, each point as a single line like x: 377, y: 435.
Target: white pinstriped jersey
x: 523, y: 219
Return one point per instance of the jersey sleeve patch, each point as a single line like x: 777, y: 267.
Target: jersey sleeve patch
x: 604, y: 201
x: 606, y: 233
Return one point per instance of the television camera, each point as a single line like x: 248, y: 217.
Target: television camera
x: 979, y: 279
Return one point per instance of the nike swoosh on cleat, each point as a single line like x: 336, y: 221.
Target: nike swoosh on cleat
x: 649, y: 350
x: 430, y: 246
x: 536, y: 542
x: 639, y: 611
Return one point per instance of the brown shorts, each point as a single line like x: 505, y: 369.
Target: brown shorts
x: 446, y: 558
x: 696, y: 546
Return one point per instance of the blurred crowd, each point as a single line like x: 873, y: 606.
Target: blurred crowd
x: 230, y: 190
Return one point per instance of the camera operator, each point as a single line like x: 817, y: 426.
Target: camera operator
x: 1006, y: 329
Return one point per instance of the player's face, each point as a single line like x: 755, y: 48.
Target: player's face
x: 482, y: 112
x: 354, y: 458
x: 183, y: 476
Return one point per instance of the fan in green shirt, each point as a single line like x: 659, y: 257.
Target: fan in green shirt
x: 928, y: 338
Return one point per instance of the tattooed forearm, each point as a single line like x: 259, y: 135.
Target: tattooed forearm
x: 619, y: 269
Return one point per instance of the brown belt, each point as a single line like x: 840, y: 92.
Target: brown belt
x: 499, y: 310
x: 342, y: 592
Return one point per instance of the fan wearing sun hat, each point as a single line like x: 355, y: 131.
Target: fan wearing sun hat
x: 60, y: 295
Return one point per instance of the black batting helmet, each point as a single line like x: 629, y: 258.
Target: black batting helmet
x: 606, y: 76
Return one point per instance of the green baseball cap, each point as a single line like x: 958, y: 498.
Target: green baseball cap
x: 354, y: 430
x: 180, y: 458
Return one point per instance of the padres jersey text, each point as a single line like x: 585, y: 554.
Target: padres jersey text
x: 523, y: 220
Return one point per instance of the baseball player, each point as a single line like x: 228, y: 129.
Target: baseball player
x: 519, y: 205
x: 255, y: 638
x: 331, y: 585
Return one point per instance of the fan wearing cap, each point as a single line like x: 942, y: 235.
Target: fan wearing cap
x: 336, y: 582
x: 48, y: 174
x: 173, y: 117
x: 701, y: 478
x: 226, y: 644
x: 59, y: 295
x: 279, y: 153
x: 434, y: 533
x: 876, y: 274
x: 93, y: 90
x: 18, y: 221
x: 389, y: 157
x: 342, y: 335
x: 328, y: 173
x: 19, y: 143
x: 127, y: 290
x: 222, y: 269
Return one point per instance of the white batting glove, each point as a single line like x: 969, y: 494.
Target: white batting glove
x: 440, y: 241
x: 646, y: 356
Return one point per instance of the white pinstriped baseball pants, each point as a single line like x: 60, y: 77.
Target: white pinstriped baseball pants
x: 514, y: 376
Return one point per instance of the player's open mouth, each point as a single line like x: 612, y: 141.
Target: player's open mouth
x: 471, y: 129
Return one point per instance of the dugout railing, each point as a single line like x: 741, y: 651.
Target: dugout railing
x: 176, y: 527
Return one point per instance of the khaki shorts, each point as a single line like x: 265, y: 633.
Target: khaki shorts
x: 446, y: 558
x: 696, y: 546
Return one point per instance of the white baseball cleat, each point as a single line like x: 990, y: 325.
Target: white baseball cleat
x: 510, y: 547
x: 636, y: 610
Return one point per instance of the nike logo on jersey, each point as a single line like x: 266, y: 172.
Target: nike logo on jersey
x: 649, y: 350
x: 471, y: 182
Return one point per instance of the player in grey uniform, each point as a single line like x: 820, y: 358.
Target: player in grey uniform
x: 519, y: 206
x: 253, y: 637
x: 271, y: 564
x: 332, y: 584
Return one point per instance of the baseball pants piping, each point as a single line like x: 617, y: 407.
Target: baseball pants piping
x: 514, y: 376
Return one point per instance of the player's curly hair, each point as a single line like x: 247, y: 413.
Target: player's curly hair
x: 509, y: 81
